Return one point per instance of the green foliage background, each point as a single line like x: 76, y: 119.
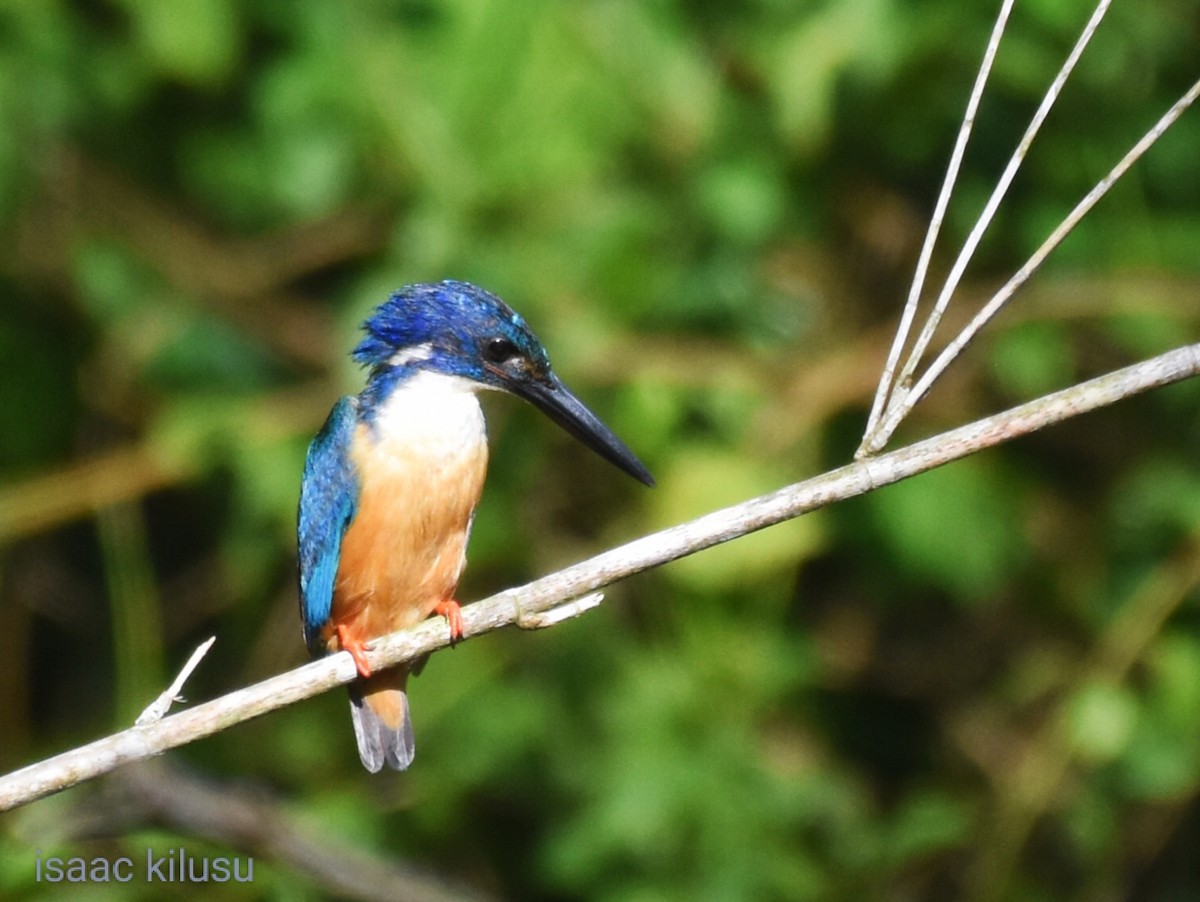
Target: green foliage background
x: 983, y: 683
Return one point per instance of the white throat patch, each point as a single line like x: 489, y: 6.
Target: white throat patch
x: 432, y: 413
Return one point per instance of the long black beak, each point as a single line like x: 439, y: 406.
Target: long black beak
x: 555, y: 400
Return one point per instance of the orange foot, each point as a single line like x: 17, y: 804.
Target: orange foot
x: 358, y: 651
x: 452, y: 611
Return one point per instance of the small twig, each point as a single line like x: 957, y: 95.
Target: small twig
x: 541, y: 620
x: 576, y: 581
x: 156, y: 710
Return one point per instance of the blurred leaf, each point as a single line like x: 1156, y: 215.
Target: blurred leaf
x: 208, y: 355
x: 1160, y: 765
x: 36, y: 414
x: 1101, y: 721
x: 1033, y: 359
x: 927, y: 822
x: 197, y: 41
x: 1092, y: 825
x: 957, y: 527
x: 1157, y: 502
x: 111, y: 280
x: 701, y: 481
x: 807, y: 59
x: 1164, y: 754
x: 1144, y: 334
x: 745, y: 199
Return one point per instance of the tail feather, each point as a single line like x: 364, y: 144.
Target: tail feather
x: 382, y: 726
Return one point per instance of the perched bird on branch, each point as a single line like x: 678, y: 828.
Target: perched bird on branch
x: 392, y: 479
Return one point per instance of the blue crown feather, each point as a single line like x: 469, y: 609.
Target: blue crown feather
x: 449, y: 316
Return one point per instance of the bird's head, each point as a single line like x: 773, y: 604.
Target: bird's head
x: 458, y: 329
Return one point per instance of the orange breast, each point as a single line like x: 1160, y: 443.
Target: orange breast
x: 406, y: 548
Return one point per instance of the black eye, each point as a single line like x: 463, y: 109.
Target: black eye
x: 499, y: 350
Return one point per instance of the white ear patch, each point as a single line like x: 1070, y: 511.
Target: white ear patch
x: 411, y: 355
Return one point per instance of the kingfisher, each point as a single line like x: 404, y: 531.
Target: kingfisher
x: 392, y: 480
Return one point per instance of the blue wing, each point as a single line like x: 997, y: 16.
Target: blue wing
x: 328, y: 502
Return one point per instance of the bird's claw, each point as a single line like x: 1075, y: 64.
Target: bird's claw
x: 452, y: 611
x: 358, y: 651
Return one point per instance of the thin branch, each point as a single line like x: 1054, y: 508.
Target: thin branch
x: 44, y: 501
x: 240, y: 817
x: 80, y: 489
x: 993, y: 203
x: 883, y: 392
x: 1022, y: 275
x: 578, y: 580
x: 83, y: 198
